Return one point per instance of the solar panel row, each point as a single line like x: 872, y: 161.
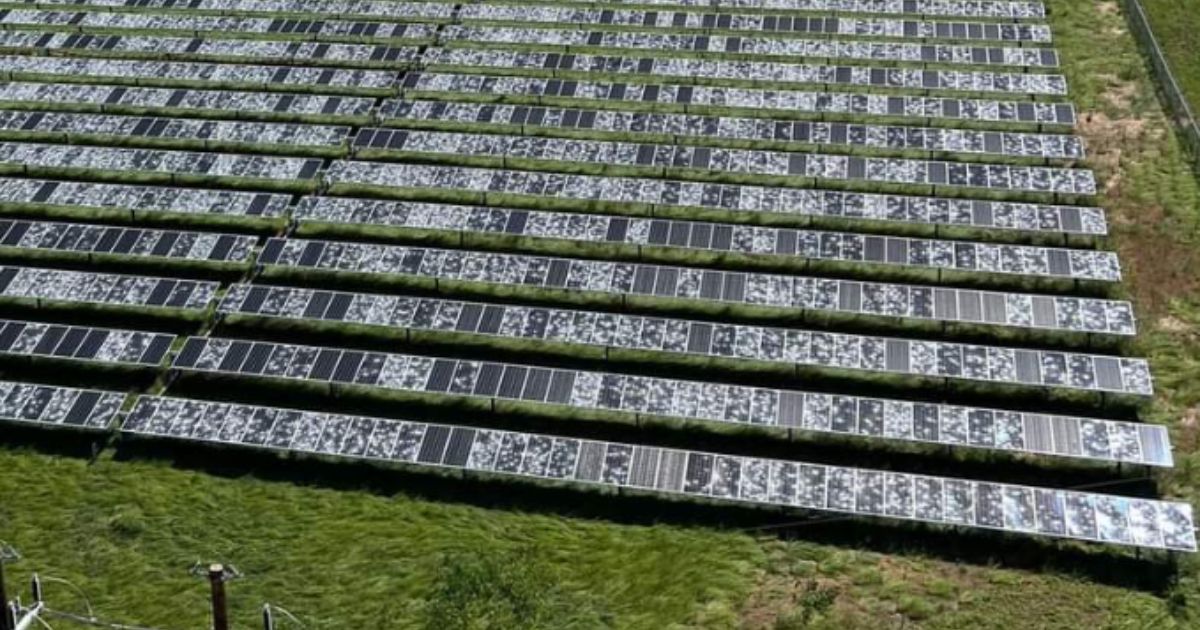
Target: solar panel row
x: 620, y: 93
x: 83, y: 343
x: 125, y: 241
x: 105, y: 288
x: 581, y: 189
x: 690, y: 69
x: 651, y: 158
x: 964, y: 256
x: 868, y: 417
x: 728, y: 21
x: 793, y: 293
x: 731, y: 129
x: 820, y: 487
x: 228, y: 103
x: 749, y: 45
x: 83, y: 409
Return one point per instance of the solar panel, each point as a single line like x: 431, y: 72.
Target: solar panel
x: 331, y: 80
x: 752, y: 22
x: 698, y: 98
x: 199, y: 131
x: 965, y: 256
x: 859, y: 491
x: 563, y: 153
x: 978, y: 8
x: 890, y: 418
x: 651, y: 396
x: 154, y: 199
x: 759, y: 46
x: 730, y: 129
x: 86, y: 238
x: 173, y: 163
x: 227, y: 103
x: 59, y: 285
x: 205, y: 49
x: 583, y: 189
x: 102, y: 21
x: 83, y: 343
x: 704, y: 285
x: 759, y: 71
x: 388, y: 9
x: 52, y: 405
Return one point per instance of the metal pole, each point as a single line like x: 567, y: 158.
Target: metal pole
x: 220, y: 614
x: 8, y: 617
x: 268, y: 620
x: 6, y: 621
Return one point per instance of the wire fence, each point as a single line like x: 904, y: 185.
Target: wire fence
x: 1177, y: 103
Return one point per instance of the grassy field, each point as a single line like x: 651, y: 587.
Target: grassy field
x: 126, y: 529
x: 1175, y: 23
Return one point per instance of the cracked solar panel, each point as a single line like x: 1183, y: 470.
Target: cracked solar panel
x: 359, y: 8
x: 704, y: 285
x: 156, y: 161
x: 729, y: 21
x: 150, y: 127
x: 221, y: 25
x: 561, y: 153
x: 698, y: 97
x: 727, y: 197
x: 922, y: 359
x: 229, y: 103
x: 83, y: 343
x: 759, y: 46
x: 745, y: 239
x: 757, y: 71
x: 874, y: 418
x: 219, y: 74
x: 104, y: 288
x: 53, y: 405
x: 300, y: 53
x: 1017, y: 509
x: 153, y: 199
x: 729, y: 129
x: 967, y: 8
x: 125, y: 241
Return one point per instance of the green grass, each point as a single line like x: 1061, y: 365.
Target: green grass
x: 127, y: 532
x: 1175, y: 24
x: 341, y: 557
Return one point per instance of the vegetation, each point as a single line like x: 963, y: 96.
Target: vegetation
x: 1175, y: 23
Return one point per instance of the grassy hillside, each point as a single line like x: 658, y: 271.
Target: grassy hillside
x: 345, y: 557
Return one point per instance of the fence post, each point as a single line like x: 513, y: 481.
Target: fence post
x: 220, y: 613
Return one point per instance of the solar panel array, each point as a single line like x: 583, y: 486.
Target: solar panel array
x: 686, y: 283
x: 863, y: 491
x: 725, y: 128
x: 958, y: 255
x: 707, y: 173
